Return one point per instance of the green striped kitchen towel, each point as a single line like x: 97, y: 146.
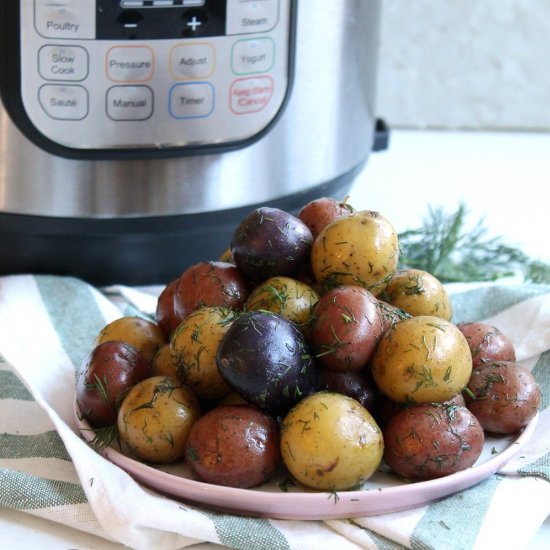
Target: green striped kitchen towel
x: 47, y: 326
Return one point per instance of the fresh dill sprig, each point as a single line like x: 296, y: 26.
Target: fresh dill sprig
x: 452, y: 252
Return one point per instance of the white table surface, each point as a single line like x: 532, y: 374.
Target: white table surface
x: 502, y: 177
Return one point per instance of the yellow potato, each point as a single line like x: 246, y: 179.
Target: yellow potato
x: 359, y: 249
x: 162, y: 363
x: 285, y: 296
x: 155, y: 418
x: 330, y: 442
x: 194, y: 345
x: 419, y: 293
x: 141, y: 333
x: 423, y: 359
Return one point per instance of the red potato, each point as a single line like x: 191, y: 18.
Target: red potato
x: 432, y: 440
x: 504, y: 396
x: 234, y: 446
x: 203, y: 284
x: 318, y: 213
x: 356, y: 384
x: 165, y: 315
x: 487, y: 343
x: 105, y: 376
x: 346, y: 327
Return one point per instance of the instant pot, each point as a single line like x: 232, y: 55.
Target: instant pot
x: 135, y: 135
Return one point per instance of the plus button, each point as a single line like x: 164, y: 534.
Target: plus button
x: 193, y: 23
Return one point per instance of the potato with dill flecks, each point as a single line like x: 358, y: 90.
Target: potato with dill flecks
x: 270, y: 242
x: 194, y: 346
x: 487, y: 343
x: 432, y: 440
x: 504, y: 396
x: 288, y: 297
x: 234, y: 446
x: 360, y: 249
x: 105, y: 376
x: 330, y: 442
x: 345, y: 329
x: 318, y: 213
x: 418, y: 293
x: 155, y: 418
x: 421, y: 360
x: 137, y: 331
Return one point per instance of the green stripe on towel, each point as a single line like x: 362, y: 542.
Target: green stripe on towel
x: 442, y: 526
x: 484, y: 302
x: 247, y: 533
x: 27, y: 492
x: 12, y: 388
x: 74, y: 313
x: 45, y: 445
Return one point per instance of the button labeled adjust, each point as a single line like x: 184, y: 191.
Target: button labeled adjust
x: 192, y: 61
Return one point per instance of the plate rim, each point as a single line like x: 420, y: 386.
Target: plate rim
x: 319, y: 505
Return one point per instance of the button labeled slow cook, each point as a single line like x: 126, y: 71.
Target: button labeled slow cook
x: 64, y: 102
x: 254, y: 55
x: 65, y: 18
x: 250, y: 95
x: 63, y: 63
x: 129, y: 103
x: 192, y: 61
x: 192, y: 100
x: 130, y: 63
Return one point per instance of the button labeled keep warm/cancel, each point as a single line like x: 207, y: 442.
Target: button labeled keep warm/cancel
x: 250, y: 95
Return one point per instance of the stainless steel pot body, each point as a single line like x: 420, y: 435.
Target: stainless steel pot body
x: 323, y: 135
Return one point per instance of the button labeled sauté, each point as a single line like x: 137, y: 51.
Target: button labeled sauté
x: 64, y: 102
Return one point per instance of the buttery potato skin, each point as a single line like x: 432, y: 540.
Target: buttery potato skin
x: 105, y: 376
x: 421, y: 360
x: 330, y: 442
x: 419, y: 293
x: 360, y: 249
x: 318, y: 213
x: 503, y: 395
x: 487, y: 343
x: 346, y: 326
x: 432, y: 440
x: 155, y: 418
x: 235, y: 446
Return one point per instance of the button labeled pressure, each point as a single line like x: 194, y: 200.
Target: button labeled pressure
x: 130, y: 63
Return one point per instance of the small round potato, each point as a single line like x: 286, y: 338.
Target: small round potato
x: 141, y: 333
x: 504, y: 396
x: 345, y: 329
x: 288, y: 297
x: 430, y: 440
x: 194, y: 345
x: 318, y: 213
x: 155, y: 418
x: 419, y: 293
x: 163, y: 363
x: 487, y: 343
x: 330, y: 442
x: 423, y: 359
x: 360, y: 249
x: 235, y: 446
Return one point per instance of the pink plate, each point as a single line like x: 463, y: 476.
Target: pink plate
x: 383, y: 493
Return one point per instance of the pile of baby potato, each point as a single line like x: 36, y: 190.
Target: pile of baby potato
x: 305, y: 347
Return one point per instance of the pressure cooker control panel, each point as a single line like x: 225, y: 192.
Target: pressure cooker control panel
x: 153, y: 74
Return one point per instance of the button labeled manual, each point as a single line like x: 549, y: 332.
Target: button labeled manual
x: 129, y: 103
